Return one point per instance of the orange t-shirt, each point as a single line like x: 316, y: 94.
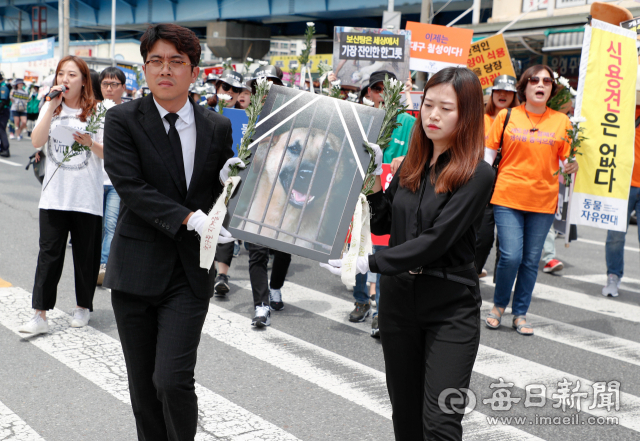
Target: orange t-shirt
x: 635, y: 176
x: 488, y: 121
x: 529, y: 159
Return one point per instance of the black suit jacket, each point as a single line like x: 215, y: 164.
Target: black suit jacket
x: 149, y: 236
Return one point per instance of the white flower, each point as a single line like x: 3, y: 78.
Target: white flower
x: 263, y: 82
x: 352, y: 95
x: 368, y: 102
x: 573, y: 91
x: 394, y: 83
x: 555, y: 75
x: 225, y: 97
x: 107, y: 104
x: 263, y: 63
x: 250, y: 60
x: 564, y: 82
x: 577, y: 119
x: 310, y: 24
x: 336, y: 83
x: 229, y: 59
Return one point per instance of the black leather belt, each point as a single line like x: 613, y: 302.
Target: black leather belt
x: 445, y: 273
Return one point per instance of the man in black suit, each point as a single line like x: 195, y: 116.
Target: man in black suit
x: 164, y: 154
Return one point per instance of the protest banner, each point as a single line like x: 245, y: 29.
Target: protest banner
x: 489, y: 58
x: 30, y: 51
x: 307, y: 168
x: 434, y: 47
x: 358, y: 52
x: 632, y: 25
x: 130, y: 75
x: 606, y: 98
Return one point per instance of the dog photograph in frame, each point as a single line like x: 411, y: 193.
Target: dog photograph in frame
x: 307, y: 167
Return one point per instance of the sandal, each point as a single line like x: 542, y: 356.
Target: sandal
x: 498, y: 318
x: 524, y: 324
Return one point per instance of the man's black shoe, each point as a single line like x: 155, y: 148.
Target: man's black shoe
x: 5, y: 154
x: 361, y: 312
x: 221, y: 287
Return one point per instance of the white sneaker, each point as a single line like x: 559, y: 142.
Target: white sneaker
x: 613, y: 283
x: 37, y: 325
x: 262, y: 317
x: 80, y: 317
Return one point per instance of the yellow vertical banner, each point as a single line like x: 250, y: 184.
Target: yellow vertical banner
x: 606, y: 98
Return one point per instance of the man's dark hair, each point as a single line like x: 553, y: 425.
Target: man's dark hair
x: 185, y: 40
x: 113, y: 72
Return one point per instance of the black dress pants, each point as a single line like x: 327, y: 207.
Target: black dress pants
x: 4, y: 119
x: 258, y: 260
x: 484, y: 238
x: 430, y: 333
x: 160, y: 336
x: 86, y: 235
x: 224, y: 253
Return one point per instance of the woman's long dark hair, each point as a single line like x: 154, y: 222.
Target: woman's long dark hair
x: 467, y: 148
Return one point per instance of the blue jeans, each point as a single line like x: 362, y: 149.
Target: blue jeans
x: 360, y: 291
x: 614, y: 249
x: 521, y: 235
x: 110, y: 209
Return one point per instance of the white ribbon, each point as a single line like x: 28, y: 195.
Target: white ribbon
x: 211, y: 230
x: 322, y: 78
x: 303, y: 74
x: 310, y: 81
x: 360, y: 241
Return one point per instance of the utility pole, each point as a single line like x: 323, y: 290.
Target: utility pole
x: 113, y: 32
x: 425, y: 17
x: 19, y: 26
x: 66, y: 27
x: 61, y: 27
x: 476, y: 12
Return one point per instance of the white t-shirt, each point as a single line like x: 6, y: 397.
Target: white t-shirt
x: 77, y: 185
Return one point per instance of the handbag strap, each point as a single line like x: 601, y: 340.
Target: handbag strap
x: 496, y: 161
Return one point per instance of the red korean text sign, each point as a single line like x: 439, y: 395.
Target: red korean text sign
x: 489, y: 58
x: 434, y: 47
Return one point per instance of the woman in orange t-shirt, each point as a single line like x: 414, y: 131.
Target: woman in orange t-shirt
x: 526, y: 190
x: 503, y: 95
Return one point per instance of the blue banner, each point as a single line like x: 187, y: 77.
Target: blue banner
x: 132, y: 82
x: 239, y: 122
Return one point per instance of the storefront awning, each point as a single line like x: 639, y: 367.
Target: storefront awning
x: 557, y: 40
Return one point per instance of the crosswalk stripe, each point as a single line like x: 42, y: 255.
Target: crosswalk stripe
x: 602, y: 244
x: 13, y: 428
x: 626, y: 283
x: 98, y: 357
x: 578, y: 337
x: 4, y: 161
x: 598, y: 304
x: 353, y: 381
x: 490, y: 362
x: 270, y: 348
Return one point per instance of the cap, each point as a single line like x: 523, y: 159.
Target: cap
x: 269, y: 72
x: 232, y: 78
x: 379, y: 76
x: 211, y: 78
x: 505, y: 82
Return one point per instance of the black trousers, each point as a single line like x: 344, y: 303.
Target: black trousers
x: 86, y: 234
x: 4, y: 119
x: 160, y: 336
x: 224, y: 253
x: 258, y: 260
x: 430, y: 332
x: 485, y: 238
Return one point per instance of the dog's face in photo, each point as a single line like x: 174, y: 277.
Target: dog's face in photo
x: 299, y: 167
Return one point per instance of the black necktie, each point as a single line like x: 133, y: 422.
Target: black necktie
x: 176, y: 145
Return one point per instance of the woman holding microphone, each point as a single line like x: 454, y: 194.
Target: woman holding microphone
x: 71, y: 198
x: 526, y: 192
x: 429, y: 294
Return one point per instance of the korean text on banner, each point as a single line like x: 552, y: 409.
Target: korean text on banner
x: 434, y: 47
x: 489, y: 58
x: 632, y: 25
x: 608, y: 72
x: 29, y: 51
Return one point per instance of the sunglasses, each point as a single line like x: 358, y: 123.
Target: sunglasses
x: 377, y: 88
x: 226, y: 87
x: 535, y: 80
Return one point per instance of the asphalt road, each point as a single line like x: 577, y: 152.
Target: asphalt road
x: 312, y: 375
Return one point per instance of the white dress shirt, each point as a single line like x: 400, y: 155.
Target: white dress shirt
x: 186, y: 127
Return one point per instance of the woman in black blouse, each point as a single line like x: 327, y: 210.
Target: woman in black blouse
x: 429, y: 295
